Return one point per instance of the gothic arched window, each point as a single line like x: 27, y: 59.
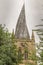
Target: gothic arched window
x: 19, y: 53
x: 26, y: 54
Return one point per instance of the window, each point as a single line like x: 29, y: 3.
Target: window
x: 26, y: 53
x: 19, y: 53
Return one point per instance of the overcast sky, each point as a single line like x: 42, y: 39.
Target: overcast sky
x: 10, y: 10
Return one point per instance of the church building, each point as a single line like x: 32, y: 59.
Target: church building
x: 23, y: 41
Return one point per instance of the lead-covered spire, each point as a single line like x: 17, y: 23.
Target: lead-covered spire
x: 21, y: 27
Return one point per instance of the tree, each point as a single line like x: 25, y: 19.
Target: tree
x: 8, y: 50
x: 4, y: 35
x: 39, y: 32
x: 12, y: 37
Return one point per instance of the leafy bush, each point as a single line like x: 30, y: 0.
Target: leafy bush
x: 8, y: 49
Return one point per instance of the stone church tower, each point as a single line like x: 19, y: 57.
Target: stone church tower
x: 23, y: 40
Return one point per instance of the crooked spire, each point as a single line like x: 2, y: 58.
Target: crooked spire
x: 21, y: 28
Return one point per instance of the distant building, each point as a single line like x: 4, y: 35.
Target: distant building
x: 23, y: 41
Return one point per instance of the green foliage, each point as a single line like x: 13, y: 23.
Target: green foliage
x: 12, y: 36
x: 33, y: 57
x: 4, y: 35
x: 1, y: 35
x: 39, y: 32
x: 8, y: 49
x: 6, y: 60
x: 41, y: 54
x: 41, y: 64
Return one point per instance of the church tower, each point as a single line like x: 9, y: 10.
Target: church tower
x: 22, y: 39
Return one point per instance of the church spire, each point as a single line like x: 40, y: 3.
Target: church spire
x: 33, y: 38
x: 21, y: 28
